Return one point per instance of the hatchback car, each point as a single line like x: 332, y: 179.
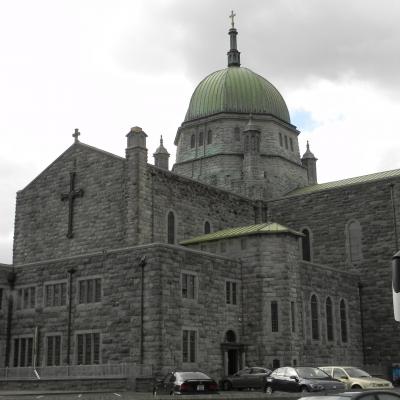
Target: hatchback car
x: 301, y: 379
x: 185, y: 382
x: 355, y: 378
x: 248, y: 378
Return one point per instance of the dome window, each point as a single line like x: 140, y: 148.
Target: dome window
x: 209, y: 137
x: 201, y: 139
x: 280, y: 139
x: 236, y: 133
x: 286, y: 143
x: 291, y: 144
x: 193, y: 141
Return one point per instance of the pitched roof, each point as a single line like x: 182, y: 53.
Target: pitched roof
x: 260, y: 229
x: 346, y: 182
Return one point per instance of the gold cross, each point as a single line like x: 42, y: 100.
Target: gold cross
x: 232, y: 16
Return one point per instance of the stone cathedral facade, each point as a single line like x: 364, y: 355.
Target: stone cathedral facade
x: 236, y: 256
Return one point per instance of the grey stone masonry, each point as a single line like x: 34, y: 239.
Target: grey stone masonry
x: 327, y: 215
x: 5, y: 271
x: 212, y: 150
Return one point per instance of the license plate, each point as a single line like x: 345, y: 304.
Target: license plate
x: 200, y: 387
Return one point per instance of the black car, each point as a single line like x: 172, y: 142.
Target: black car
x: 185, y: 382
x: 248, y: 378
x: 301, y: 379
x: 364, y: 395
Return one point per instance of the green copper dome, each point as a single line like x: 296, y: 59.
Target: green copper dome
x: 236, y: 90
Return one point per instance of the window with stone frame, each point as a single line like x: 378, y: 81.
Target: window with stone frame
x: 314, y: 317
x: 23, y: 351
x: 236, y: 133
x: 209, y: 137
x: 188, y: 285
x: 293, y: 316
x: 286, y: 142
x: 53, y: 350
x: 306, y: 245
x: 329, y: 319
x: 274, y: 316
x: 55, y: 294
x: 189, y: 346
x: 26, y: 298
x: 343, y: 321
x: 171, y: 228
x: 88, y: 348
x: 280, y: 139
x: 231, y: 292
x: 1, y: 298
x: 207, y: 227
x: 291, y: 144
x: 201, y: 139
x: 193, y: 141
x: 89, y: 290
x: 354, y: 235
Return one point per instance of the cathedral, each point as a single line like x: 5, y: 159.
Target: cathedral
x: 235, y: 257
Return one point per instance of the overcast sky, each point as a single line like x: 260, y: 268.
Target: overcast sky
x: 104, y: 66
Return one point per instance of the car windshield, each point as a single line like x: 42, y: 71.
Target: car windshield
x: 192, y: 375
x: 311, y: 373
x: 356, y: 373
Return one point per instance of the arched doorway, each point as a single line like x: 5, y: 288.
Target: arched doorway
x: 233, y: 353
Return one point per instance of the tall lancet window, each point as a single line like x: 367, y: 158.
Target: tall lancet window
x: 306, y: 245
x: 171, y: 228
x: 354, y: 236
x: 343, y: 321
x: 207, y: 227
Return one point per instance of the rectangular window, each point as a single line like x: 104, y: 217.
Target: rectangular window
x: 53, y: 350
x: 286, y: 142
x: 188, y: 286
x: 231, y: 292
x: 274, y: 316
x: 26, y: 298
x: 55, y: 294
x: 1, y: 298
x: 189, y: 340
x: 23, y: 352
x: 280, y: 140
x: 291, y: 144
x: 88, y: 348
x: 293, y: 316
x: 89, y: 290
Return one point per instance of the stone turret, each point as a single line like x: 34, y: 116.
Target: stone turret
x: 309, y: 162
x: 161, y: 156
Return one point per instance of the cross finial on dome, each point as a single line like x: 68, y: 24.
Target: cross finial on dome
x: 232, y: 16
x: 161, y: 141
x: 233, y: 53
x: 308, y: 146
x: 76, y: 134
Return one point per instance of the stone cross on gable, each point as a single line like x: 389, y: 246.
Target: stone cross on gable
x: 71, y: 196
x: 76, y: 134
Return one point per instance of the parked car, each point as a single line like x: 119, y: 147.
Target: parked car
x: 364, y: 395
x: 248, y: 378
x: 185, y: 382
x: 355, y: 378
x: 301, y: 379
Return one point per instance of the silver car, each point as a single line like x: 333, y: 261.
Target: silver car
x: 248, y: 378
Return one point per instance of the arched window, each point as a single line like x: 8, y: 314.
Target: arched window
x: 343, y: 321
x: 314, y: 318
x: 306, y: 245
x: 193, y: 141
x: 230, y: 336
x: 329, y: 319
x: 209, y: 137
x: 171, y: 228
x: 207, y: 227
x: 354, y: 241
x: 201, y: 139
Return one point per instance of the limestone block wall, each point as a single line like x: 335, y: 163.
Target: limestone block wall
x: 4, y: 292
x: 117, y: 317
x: 193, y: 204
x: 327, y: 214
x: 41, y: 221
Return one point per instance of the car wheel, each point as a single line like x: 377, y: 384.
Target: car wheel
x: 304, y: 389
x: 356, y: 387
x: 268, y: 390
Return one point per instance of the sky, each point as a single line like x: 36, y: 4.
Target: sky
x: 104, y: 66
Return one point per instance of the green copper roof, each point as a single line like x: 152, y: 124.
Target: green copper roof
x: 346, y: 182
x: 236, y: 89
x: 266, y: 228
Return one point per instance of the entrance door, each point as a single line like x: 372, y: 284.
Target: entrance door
x: 232, y: 361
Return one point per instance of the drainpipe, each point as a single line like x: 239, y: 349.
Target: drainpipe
x: 360, y: 287
x: 142, y: 264
x: 71, y: 272
x: 11, y: 278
